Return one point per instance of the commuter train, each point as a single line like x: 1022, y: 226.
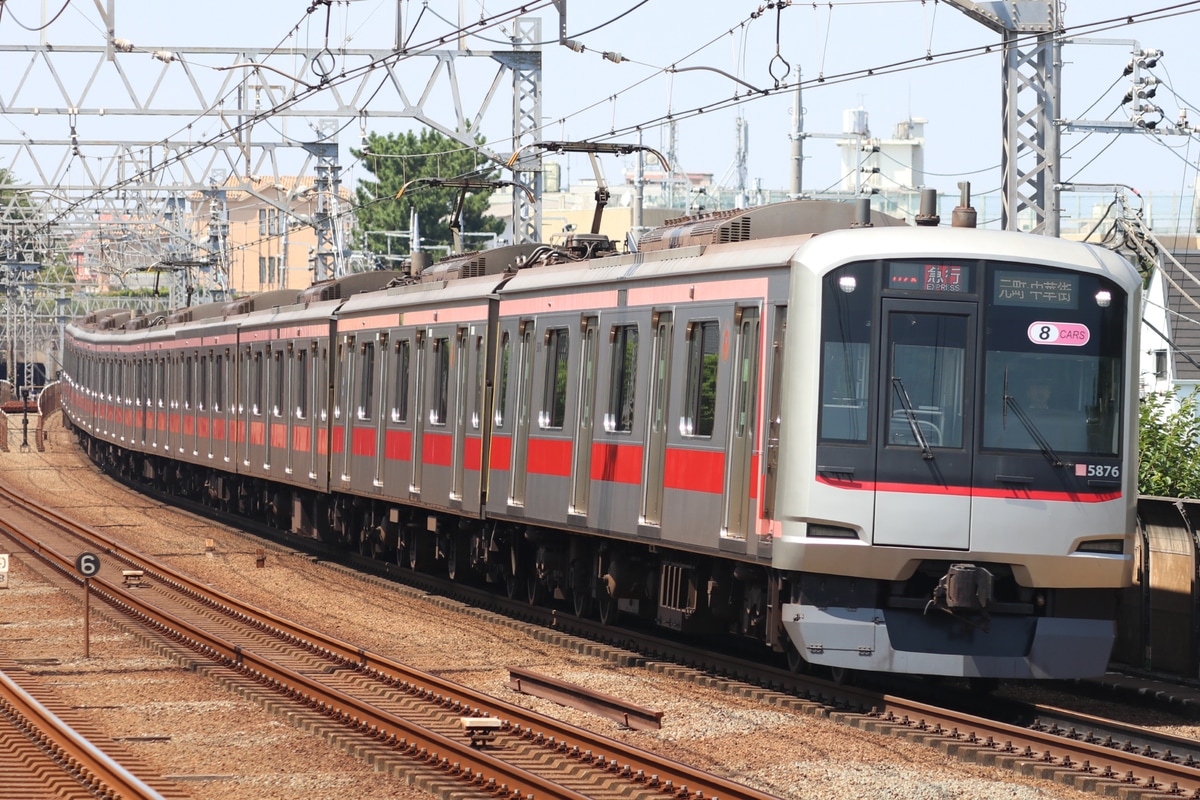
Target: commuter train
x: 866, y: 444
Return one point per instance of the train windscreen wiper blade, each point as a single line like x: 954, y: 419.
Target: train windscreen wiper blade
x: 911, y: 416
x: 1047, y: 450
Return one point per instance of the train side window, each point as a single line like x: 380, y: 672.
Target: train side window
x: 366, y: 391
x: 700, y: 401
x: 623, y: 383
x: 301, y: 366
x: 400, y: 400
x: 554, y: 397
x: 441, y: 380
x: 502, y: 379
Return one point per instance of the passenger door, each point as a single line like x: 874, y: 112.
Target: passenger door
x: 581, y: 471
x: 926, y: 402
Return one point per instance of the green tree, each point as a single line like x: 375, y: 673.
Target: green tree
x: 1169, y: 447
x: 394, y: 160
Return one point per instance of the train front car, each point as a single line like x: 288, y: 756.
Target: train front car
x: 958, y: 453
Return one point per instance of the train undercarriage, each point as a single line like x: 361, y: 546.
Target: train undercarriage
x: 588, y: 575
x: 948, y: 618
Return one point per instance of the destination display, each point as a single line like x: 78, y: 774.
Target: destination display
x: 924, y: 277
x: 1035, y: 289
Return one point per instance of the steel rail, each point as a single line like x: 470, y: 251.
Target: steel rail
x: 90, y: 765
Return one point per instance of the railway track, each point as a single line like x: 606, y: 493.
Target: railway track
x: 379, y: 707
x: 1089, y: 753
x: 42, y: 754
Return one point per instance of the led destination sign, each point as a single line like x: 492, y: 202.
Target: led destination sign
x: 921, y: 277
x: 1035, y: 290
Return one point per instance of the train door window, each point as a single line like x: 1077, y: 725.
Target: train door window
x: 477, y: 401
x: 846, y: 313
x: 277, y: 383
x: 400, y: 398
x: 202, y: 394
x: 162, y: 382
x: 554, y: 396
x: 345, y: 359
x: 256, y: 384
x: 927, y: 358
x: 521, y: 416
x: 441, y: 381
x: 623, y: 382
x: 502, y: 379
x: 189, y: 382
x: 219, y: 381
x: 300, y: 364
x: 773, y: 411
x: 700, y: 399
x: 656, y: 434
x: 320, y: 383
x: 366, y: 391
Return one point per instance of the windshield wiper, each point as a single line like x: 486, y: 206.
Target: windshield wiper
x: 911, y: 416
x: 1047, y: 450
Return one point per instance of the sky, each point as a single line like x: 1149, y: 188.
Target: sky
x: 928, y: 60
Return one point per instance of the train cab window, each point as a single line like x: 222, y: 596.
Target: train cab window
x: 846, y: 313
x: 441, y: 381
x: 300, y: 364
x: 700, y: 399
x: 927, y: 368
x: 502, y: 379
x: 554, y: 395
x: 400, y: 390
x: 623, y: 381
x: 366, y: 390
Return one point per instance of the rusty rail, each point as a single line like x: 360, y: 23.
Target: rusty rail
x: 89, y: 765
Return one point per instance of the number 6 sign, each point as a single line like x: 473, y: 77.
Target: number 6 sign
x: 88, y: 564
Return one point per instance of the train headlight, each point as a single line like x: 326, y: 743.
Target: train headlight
x: 847, y: 283
x: 1104, y: 298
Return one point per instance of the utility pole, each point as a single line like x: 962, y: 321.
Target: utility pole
x: 797, y: 137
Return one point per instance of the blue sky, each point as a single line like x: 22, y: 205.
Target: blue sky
x: 586, y: 95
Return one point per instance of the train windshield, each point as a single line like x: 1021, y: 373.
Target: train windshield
x: 1052, y: 361
x: 991, y: 356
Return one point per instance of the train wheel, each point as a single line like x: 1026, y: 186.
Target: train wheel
x: 414, y: 557
x: 581, y: 599
x: 452, y: 559
x: 533, y: 589
x: 607, y: 606
x: 795, y: 661
x: 841, y: 676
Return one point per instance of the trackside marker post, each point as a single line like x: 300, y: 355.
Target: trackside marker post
x: 88, y: 565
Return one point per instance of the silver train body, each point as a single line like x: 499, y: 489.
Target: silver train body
x: 824, y: 439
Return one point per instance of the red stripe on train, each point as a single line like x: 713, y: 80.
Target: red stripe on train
x: 501, y: 454
x: 397, y: 446
x: 617, y: 463
x: 436, y: 448
x: 549, y: 457
x: 694, y: 471
x: 1014, y: 493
